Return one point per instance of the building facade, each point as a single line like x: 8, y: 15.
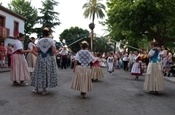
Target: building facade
x: 10, y: 23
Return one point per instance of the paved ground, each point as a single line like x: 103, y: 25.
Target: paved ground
x: 118, y: 94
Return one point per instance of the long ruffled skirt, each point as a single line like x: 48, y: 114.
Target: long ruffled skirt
x: 97, y: 73
x: 154, y: 80
x: 82, y: 79
x: 19, y: 68
x: 31, y: 60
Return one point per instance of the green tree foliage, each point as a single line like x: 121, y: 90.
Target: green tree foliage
x: 101, y: 45
x: 94, y: 8
x: 73, y: 34
x: 49, y: 17
x: 135, y: 20
x: 25, y: 9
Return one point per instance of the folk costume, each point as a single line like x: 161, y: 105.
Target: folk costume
x: 136, y: 68
x: 31, y: 58
x: 19, y: 66
x: 46, y: 72
x: 110, y: 63
x: 96, y: 72
x: 82, y: 75
x: 154, y: 80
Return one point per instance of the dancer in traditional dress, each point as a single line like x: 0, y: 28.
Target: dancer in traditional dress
x: 31, y: 57
x: 46, y: 72
x: 96, y: 69
x: 154, y: 80
x: 136, y: 68
x: 19, y: 66
x: 82, y: 73
x: 110, y: 63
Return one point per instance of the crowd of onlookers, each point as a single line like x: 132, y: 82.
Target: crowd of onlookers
x: 5, y: 53
x: 125, y: 60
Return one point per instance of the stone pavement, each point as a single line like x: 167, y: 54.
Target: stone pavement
x: 171, y: 79
x: 116, y: 94
x: 4, y: 70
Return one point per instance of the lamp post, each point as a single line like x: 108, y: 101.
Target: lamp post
x: 92, y: 26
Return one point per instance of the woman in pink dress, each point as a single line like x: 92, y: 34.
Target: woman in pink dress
x: 19, y: 67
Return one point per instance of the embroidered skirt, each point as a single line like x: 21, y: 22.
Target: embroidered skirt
x: 45, y: 73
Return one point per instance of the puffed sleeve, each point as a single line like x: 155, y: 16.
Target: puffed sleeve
x: 30, y: 46
x: 19, y: 45
x: 52, y: 42
x: 151, y: 52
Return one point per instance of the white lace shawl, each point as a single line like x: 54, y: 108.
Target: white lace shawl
x: 85, y: 57
x: 45, y: 43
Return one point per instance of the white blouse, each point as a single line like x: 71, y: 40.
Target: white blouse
x: 17, y: 45
x: 31, y: 46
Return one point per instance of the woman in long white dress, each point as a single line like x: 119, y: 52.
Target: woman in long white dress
x: 31, y: 57
x: 154, y: 80
x: 110, y: 63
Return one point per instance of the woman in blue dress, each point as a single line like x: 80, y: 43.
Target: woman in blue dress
x: 45, y: 72
x: 154, y: 80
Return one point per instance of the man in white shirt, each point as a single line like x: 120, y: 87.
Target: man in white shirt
x: 125, y: 62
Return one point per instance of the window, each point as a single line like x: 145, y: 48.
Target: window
x: 16, y: 26
x: 2, y: 21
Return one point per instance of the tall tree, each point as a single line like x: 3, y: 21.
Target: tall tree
x: 72, y: 35
x: 142, y: 19
x: 25, y: 9
x: 94, y: 8
x: 49, y: 17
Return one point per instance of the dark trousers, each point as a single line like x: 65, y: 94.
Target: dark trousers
x: 58, y: 62
x: 64, y: 63
x: 125, y: 65
x: 9, y: 60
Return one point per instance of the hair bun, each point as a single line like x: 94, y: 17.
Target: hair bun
x: 46, y: 28
x: 84, y: 42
